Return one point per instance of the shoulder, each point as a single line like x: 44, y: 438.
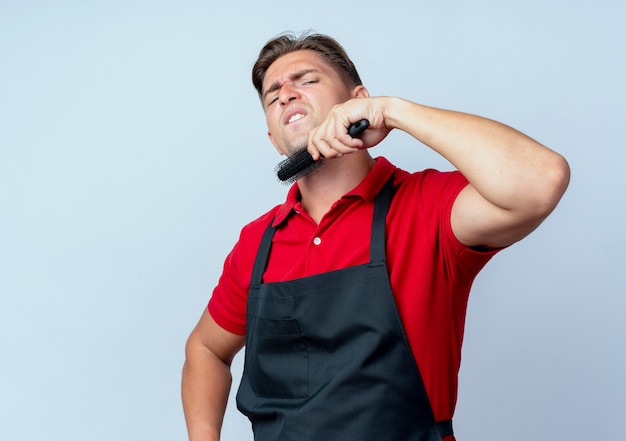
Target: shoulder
x: 429, y: 187
x: 421, y: 209
x: 228, y: 301
x: 420, y: 214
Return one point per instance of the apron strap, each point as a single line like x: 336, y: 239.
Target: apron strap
x: 261, y: 257
x: 445, y: 428
x: 381, y: 207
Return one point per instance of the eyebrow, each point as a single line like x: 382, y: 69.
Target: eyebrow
x: 295, y: 76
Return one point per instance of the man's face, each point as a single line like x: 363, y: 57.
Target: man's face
x: 299, y: 90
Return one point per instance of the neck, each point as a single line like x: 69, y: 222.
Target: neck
x: 326, y: 185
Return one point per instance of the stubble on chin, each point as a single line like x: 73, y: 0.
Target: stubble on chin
x: 296, y: 145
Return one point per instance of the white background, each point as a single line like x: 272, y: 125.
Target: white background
x: 133, y: 149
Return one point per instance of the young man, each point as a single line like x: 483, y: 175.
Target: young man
x: 350, y: 297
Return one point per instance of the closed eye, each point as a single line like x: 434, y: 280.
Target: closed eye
x: 271, y: 100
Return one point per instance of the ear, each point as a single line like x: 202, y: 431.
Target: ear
x: 360, y: 92
x: 273, y: 141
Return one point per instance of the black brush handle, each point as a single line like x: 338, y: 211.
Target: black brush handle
x: 356, y: 129
x: 299, y: 164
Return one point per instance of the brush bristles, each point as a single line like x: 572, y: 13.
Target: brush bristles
x: 296, y: 166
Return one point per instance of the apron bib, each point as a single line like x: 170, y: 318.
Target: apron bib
x: 327, y: 358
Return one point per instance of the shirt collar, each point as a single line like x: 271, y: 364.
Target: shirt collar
x: 367, y: 189
x: 293, y: 197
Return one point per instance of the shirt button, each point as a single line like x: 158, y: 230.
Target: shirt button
x: 317, y: 241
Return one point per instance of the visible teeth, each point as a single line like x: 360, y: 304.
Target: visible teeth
x: 296, y: 117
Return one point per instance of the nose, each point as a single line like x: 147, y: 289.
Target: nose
x: 288, y: 92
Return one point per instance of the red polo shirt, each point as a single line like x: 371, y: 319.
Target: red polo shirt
x: 429, y: 270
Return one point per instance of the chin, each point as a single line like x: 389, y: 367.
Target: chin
x: 294, y: 147
x: 293, y: 150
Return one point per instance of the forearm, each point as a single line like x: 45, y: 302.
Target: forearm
x: 509, y: 169
x: 206, y: 382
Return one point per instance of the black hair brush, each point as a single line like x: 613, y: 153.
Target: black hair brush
x: 302, y: 163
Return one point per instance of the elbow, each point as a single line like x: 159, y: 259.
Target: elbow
x: 554, y: 182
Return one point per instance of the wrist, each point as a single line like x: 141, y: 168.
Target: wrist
x: 396, y: 112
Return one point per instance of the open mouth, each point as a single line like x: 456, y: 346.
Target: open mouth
x: 295, y: 117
